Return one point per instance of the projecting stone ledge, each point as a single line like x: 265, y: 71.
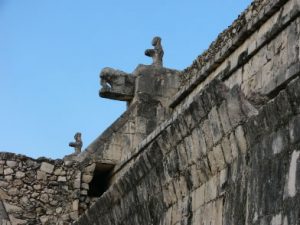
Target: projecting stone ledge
x: 116, y: 85
x: 154, y: 80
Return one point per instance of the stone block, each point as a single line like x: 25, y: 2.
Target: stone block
x: 173, y: 135
x: 227, y: 150
x: 8, y: 171
x: 234, y: 146
x: 211, y: 189
x: 20, y: 174
x: 189, y: 120
x: 11, y: 209
x: 234, y: 106
x: 175, y: 129
x: 16, y: 221
x: 169, y: 194
x: 163, y: 143
x: 207, y: 104
x: 224, y: 118
x: 3, y: 184
x: 182, y: 125
x: 47, y: 167
x: 294, y: 128
x: 207, y: 133
x: 293, y: 90
x: 192, y: 149
x: 271, y: 114
x: 182, y: 156
x: 196, y: 145
x: 89, y: 169
x: 199, y: 112
x: 3, y: 195
x: 284, y: 108
x: 11, y: 164
x: 218, y: 212
x: 223, y: 180
x: 215, y: 125
x: 198, y: 198
x: 13, y: 191
x: 61, y: 179
x: 241, y: 140
x: 176, y: 215
x: 219, y: 157
x: 279, y: 141
x: 292, y: 185
x: 41, y: 175
x: 194, y: 176
x: 212, y: 162
x: 86, y: 178
x: 180, y: 186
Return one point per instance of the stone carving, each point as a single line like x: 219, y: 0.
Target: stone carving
x: 77, y: 145
x: 116, y: 84
x: 157, y: 53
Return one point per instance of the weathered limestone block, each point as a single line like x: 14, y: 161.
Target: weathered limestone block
x: 241, y: 140
x: 169, y: 194
x: 234, y: 146
x: 294, y: 94
x: 8, y: 171
x: 11, y: 164
x: 227, y: 150
x: 47, y: 167
x: 20, y: 174
x: 211, y: 189
x: 294, y: 128
x: 205, y: 126
x: 12, y: 208
x: 292, y: 186
x: 234, y: 107
x: 215, y: 125
x: 198, y: 198
x: 195, y: 176
x: 182, y: 156
x: 224, y: 118
x: 117, y: 84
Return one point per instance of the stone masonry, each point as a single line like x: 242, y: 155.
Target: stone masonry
x: 215, y: 144
x: 42, y: 191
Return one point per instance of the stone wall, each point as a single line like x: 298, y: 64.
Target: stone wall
x: 225, y: 149
x: 153, y: 89
x: 42, y: 191
x: 225, y: 162
x: 229, y: 152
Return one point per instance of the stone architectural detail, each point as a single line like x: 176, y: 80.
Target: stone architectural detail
x: 77, y: 145
x: 116, y: 85
x: 42, y: 191
x: 157, y: 53
x: 217, y: 143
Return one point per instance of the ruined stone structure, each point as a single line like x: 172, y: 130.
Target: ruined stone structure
x: 217, y: 143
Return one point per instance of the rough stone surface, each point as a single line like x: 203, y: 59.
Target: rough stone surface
x: 222, y: 149
x: 41, y: 191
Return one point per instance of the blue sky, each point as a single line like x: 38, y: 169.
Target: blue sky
x: 51, y: 53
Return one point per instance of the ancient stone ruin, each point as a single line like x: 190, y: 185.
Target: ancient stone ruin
x: 215, y: 144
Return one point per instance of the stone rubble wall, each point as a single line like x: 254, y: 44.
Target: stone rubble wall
x: 42, y: 191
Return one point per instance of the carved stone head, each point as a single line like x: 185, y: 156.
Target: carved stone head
x: 156, y: 41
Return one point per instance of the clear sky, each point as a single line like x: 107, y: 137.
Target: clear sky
x: 51, y: 53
